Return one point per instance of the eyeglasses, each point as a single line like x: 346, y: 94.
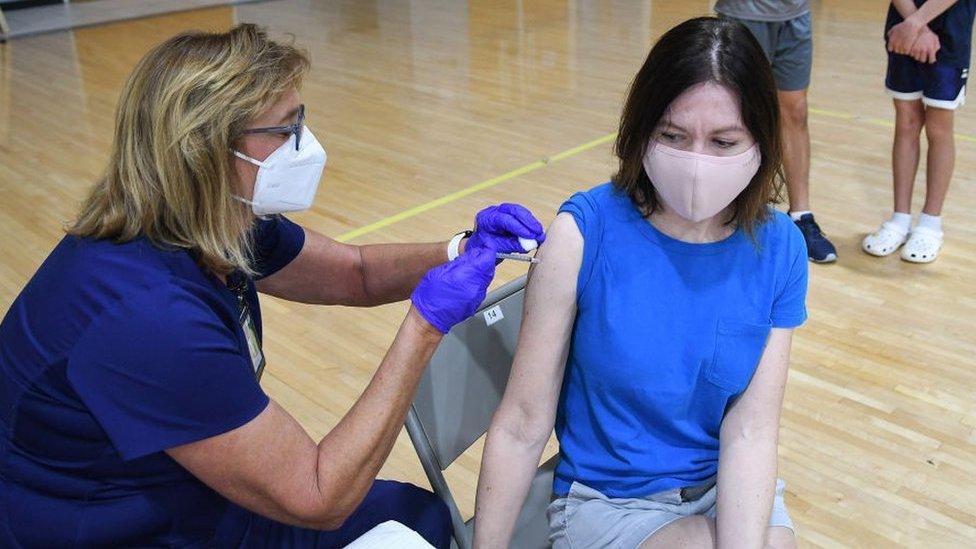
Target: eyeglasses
x: 295, y: 128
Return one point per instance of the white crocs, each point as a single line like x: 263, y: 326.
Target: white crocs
x: 886, y: 240
x: 923, y: 246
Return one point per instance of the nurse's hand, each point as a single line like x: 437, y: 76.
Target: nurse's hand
x: 452, y: 292
x: 500, y: 228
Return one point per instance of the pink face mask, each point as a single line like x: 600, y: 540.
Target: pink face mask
x: 698, y: 186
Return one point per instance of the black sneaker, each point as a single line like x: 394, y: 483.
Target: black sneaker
x: 819, y: 249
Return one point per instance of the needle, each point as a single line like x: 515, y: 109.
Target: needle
x: 517, y: 257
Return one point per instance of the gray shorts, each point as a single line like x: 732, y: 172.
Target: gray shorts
x: 788, y: 46
x: 586, y: 518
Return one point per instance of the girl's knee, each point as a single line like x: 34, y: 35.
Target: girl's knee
x: 910, y: 122
x: 938, y: 124
x: 779, y: 537
x: 794, y: 113
x: 909, y: 116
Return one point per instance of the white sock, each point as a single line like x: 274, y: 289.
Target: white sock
x: 933, y: 222
x: 797, y: 215
x: 902, y: 220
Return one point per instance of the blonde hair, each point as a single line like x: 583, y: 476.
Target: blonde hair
x: 170, y: 176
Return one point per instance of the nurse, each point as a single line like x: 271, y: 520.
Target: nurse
x: 130, y: 408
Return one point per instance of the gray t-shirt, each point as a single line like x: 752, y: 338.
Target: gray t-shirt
x: 763, y: 10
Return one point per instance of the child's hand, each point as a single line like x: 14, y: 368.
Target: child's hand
x: 903, y: 36
x: 926, y: 46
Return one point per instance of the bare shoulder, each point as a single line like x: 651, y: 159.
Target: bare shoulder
x: 564, y: 242
x: 560, y: 258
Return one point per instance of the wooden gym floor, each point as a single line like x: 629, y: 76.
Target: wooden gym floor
x: 475, y: 103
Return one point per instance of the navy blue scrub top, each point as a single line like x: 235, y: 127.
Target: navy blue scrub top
x: 111, y: 354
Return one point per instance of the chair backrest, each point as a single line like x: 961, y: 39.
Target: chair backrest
x: 457, y: 397
x: 465, y: 379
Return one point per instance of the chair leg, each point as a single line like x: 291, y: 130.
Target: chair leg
x: 4, y: 29
x: 436, y: 477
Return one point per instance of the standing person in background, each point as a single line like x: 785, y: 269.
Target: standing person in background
x: 929, y: 45
x: 783, y: 29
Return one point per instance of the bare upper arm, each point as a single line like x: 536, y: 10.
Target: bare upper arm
x: 547, y: 323
x: 268, y: 465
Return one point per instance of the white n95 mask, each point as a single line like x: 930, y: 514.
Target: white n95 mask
x: 287, y: 179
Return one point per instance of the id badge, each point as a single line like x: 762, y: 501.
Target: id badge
x: 253, y: 344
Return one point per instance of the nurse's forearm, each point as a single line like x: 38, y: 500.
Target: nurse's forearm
x: 327, y: 272
x: 351, y: 455
x: 391, y: 271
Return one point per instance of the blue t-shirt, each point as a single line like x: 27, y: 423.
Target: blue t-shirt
x: 111, y: 354
x: 667, y: 334
x: 954, y: 28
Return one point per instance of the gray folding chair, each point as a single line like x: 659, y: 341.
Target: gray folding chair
x: 460, y: 390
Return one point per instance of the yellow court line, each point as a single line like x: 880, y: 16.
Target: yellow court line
x: 875, y: 121
x: 542, y: 163
x: 488, y: 183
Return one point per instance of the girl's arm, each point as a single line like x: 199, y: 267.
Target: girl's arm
x: 522, y: 425
x: 904, y: 7
x: 932, y: 9
x: 748, y: 450
x: 902, y: 37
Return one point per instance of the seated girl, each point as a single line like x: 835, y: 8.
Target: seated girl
x: 657, y: 326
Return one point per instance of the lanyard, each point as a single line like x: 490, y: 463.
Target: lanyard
x: 238, y: 284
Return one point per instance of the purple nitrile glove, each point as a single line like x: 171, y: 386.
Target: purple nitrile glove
x: 498, y: 228
x: 452, y: 292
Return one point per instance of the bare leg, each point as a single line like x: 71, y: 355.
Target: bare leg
x: 941, y: 157
x: 779, y: 537
x: 796, y: 147
x: 909, y: 120
x: 694, y: 531
x: 699, y: 532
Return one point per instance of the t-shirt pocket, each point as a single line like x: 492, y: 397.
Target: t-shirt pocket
x: 738, y: 348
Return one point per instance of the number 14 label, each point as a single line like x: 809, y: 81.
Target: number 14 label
x: 493, y: 315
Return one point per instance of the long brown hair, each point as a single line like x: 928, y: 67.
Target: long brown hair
x: 170, y: 176
x: 704, y: 49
